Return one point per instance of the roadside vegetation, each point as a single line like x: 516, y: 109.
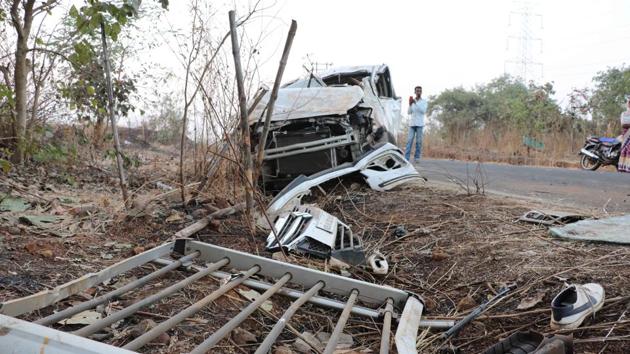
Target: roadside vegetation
x: 508, y: 120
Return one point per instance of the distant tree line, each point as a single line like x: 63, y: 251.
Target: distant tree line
x: 509, y: 104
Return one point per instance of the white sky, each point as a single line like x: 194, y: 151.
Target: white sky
x: 436, y: 44
x: 449, y: 43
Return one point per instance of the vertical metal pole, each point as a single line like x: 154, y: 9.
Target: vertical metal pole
x: 189, y: 311
x: 234, y: 322
x: 341, y: 323
x: 387, y: 325
x: 277, y: 329
x: 110, y: 98
x: 113, y: 294
x: 128, y: 311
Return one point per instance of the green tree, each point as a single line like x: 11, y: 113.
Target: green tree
x: 86, y: 89
x: 503, y: 104
x: 607, y: 100
x: 458, y: 111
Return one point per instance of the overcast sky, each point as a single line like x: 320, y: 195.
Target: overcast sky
x: 445, y: 44
x: 436, y: 44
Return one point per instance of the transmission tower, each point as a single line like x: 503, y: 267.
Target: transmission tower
x: 523, y: 42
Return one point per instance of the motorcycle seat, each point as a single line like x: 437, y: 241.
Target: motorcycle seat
x: 608, y: 140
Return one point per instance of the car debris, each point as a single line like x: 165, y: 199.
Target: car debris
x: 27, y: 337
x: 550, y: 217
x: 609, y: 230
x: 325, y: 120
x: 309, y: 230
x: 378, y: 263
x: 531, y: 342
x: 383, y: 169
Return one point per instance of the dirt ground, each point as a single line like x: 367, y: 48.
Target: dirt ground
x: 459, y: 250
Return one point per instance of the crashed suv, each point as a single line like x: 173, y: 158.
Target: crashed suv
x: 325, y: 120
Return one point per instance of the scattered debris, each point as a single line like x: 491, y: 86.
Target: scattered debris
x: 338, y: 265
x: 42, y: 221
x: 438, y: 254
x: 466, y: 303
x: 378, y: 263
x: 550, y: 217
x: 306, y: 341
x: 475, y: 313
x: 400, y: 231
x: 344, y: 341
x: 384, y: 168
x: 14, y: 204
x: 531, y: 301
x: 38, y: 248
x: 533, y: 343
x: 84, y: 210
x: 612, y: 230
x: 84, y: 318
x: 253, y: 295
x: 310, y: 230
x: 283, y: 350
x: 242, y: 336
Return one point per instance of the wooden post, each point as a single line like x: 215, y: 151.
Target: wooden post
x: 274, y: 95
x: 112, y: 117
x: 242, y: 100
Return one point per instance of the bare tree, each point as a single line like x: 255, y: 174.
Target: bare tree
x: 22, y: 15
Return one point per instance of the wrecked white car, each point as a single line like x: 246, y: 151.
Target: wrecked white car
x: 383, y: 168
x: 325, y: 120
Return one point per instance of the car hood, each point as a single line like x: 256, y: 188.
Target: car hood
x: 295, y: 103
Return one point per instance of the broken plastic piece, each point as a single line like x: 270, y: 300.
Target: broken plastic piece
x: 378, y: 263
x: 408, y: 325
x: 310, y: 230
x: 550, y: 217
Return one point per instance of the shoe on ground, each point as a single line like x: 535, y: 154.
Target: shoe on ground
x: 572, y: 305
x: 533, y: 343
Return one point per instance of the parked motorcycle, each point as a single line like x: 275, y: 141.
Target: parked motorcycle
x: 599, y: 151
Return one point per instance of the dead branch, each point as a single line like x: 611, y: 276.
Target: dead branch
x: 262, y: 142
x: 201, y: 224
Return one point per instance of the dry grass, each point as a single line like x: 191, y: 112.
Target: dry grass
x: 560, y: 149
x: 471, y: 245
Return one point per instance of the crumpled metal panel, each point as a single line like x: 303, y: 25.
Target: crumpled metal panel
x: 380, y: 173
x: 295, y: 103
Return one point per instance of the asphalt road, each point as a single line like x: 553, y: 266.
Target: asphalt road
x: 578, y: 188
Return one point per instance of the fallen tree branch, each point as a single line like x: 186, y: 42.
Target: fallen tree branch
x: 201, y: 224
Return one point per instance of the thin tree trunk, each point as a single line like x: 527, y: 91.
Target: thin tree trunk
x: 274, y: 95
x: 20, y: 73
x: 99, y: 131
x: 112, y: 117
x: 246, y: 145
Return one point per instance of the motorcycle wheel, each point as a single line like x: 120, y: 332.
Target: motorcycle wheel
x: 588, y: 163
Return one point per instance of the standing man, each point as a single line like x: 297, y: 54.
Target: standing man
x: 416, y: 111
